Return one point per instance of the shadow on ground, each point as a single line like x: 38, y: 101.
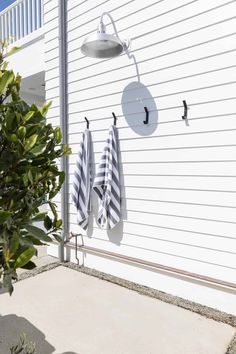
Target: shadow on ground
x: 2, y: 290
x: 12, y: 327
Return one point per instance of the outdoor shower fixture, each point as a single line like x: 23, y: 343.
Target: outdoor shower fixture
x: 102, y: 44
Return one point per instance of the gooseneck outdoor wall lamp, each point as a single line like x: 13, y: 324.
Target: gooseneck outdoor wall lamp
x: 102, y: 44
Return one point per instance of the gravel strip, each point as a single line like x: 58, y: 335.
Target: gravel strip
x: 232, y: 346
x: 37, y: 270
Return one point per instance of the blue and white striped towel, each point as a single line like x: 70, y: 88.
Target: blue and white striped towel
x: 82, y: 181
x: 107, y: 183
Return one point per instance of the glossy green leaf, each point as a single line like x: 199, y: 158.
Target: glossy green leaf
x: 30, y: 265
x: 28, y: 115
x: 58, y: 224
x: 5, y: 80
x: 38, y: 217
x: 21, y: 132
x: 14, y: 242
x: 57, y: 237
x: 62, y: 177
x: 38, y: 150
x: 4, y: 66
x: 13, y: 138
x: 24, y: 257
x: 10, y: 118
x: 46, y: 107
x: 31, y: 141
x: 31, y: 241
x: 53, y: 209
x: 66, y: 149
x: 58, y: 135
x: 47, y: 223
x: 38, y: 233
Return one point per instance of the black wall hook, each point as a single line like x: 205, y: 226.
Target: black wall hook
x: 185, y: 116
x: 115, y: 119
x: 87, y: 121
x: 147, y: 116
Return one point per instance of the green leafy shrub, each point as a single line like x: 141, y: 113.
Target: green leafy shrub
x: 29, y: 176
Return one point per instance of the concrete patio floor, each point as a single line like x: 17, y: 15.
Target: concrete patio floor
x: 67, y: 312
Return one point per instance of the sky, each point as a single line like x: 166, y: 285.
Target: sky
x: 5, y: 3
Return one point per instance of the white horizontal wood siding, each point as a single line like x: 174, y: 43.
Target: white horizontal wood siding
x: 178, y: 179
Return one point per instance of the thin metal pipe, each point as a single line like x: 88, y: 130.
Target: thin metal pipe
x: 157, y: 266
x: 63, y: 120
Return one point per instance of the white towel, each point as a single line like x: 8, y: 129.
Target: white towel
x: 82, y: 181
x: 107, y: 183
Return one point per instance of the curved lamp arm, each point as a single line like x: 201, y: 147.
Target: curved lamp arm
x: 102, y: 28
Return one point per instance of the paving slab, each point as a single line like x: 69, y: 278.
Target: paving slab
x: 67, y: 312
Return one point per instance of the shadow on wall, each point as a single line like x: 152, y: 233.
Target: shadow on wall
x: 12, y: 327
x: 115, y: 235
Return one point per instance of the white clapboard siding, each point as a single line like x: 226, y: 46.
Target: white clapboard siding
x: 177, y: 178
x: 208, y: 79
x: 181, y: 209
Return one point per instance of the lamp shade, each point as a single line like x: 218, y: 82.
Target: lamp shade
x: 102, y: 45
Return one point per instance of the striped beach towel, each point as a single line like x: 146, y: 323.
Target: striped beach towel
x: 107, y: 183
x: 82, y: 181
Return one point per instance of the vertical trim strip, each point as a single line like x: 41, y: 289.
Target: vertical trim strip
x: 63, y: 118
